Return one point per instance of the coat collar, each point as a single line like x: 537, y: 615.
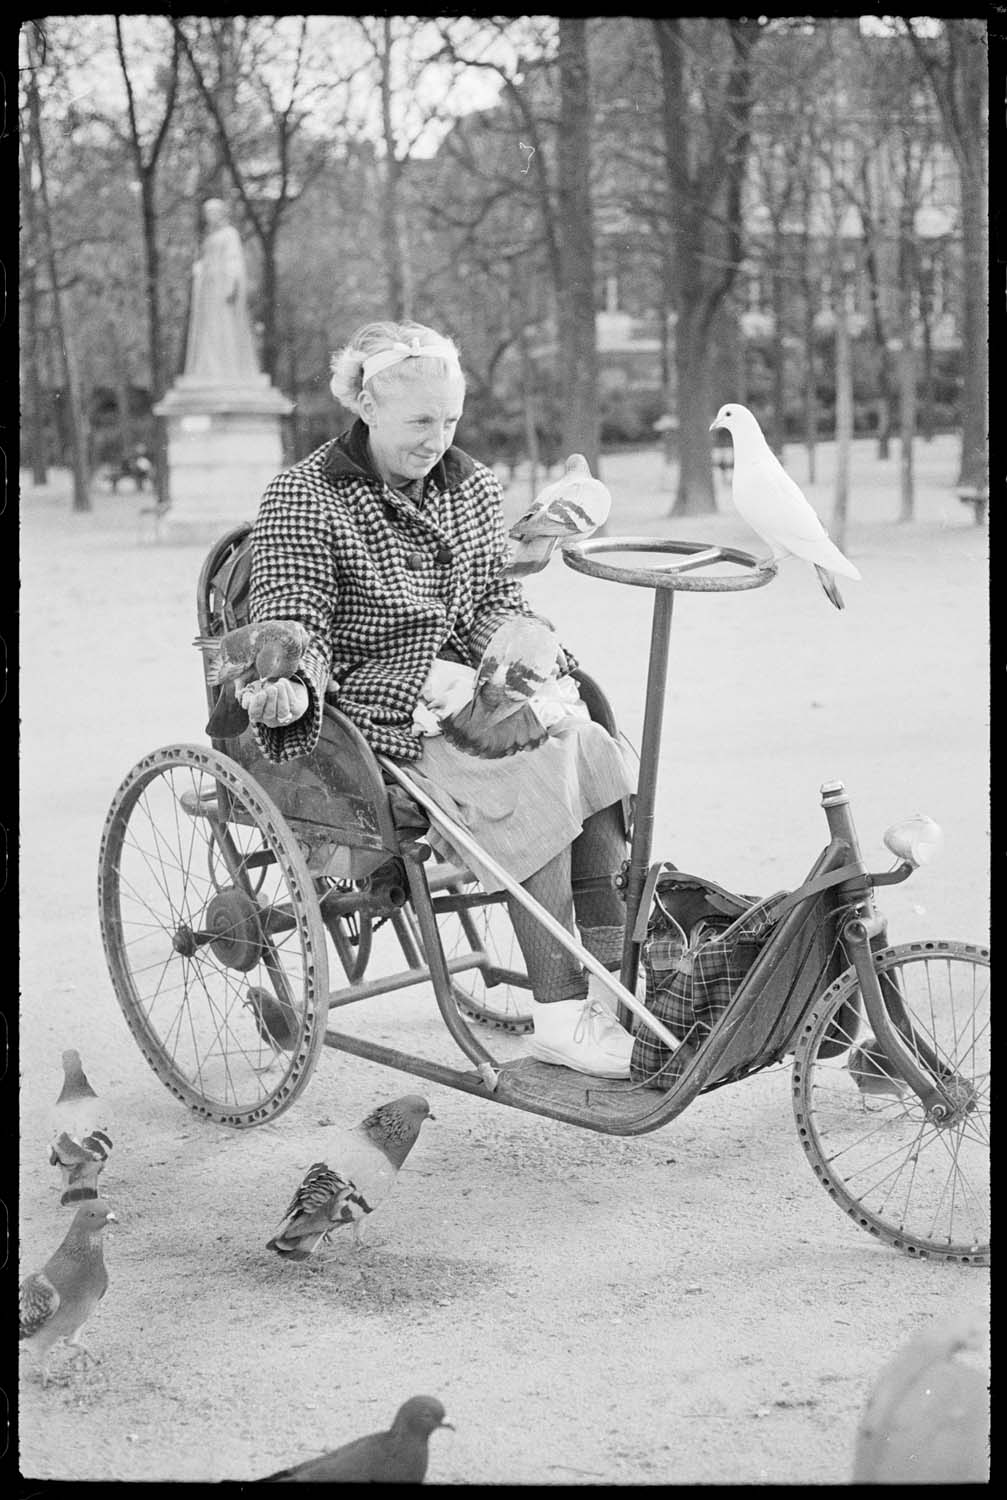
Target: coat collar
x: 348, y: 454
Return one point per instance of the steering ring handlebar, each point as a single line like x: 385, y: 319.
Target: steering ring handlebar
x: 581, y: 556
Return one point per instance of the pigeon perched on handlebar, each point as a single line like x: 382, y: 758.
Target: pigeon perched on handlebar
x: 259, y: 652
x: 872, y: 1072
x: 574, y: 505
x: 398, y: 1456
x: 366, y: 1162
x: 520, y: 658
x: 81, y: 1143
x: 775, y: 506
x: 57, y: 1301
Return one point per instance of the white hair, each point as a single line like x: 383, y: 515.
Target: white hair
x: 347, y: 364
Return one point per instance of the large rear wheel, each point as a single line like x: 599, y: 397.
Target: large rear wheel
x: 212, y: 935
x: 920, y: 1184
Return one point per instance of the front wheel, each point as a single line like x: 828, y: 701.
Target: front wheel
x: 212, y: 935
x: 919, y: 1185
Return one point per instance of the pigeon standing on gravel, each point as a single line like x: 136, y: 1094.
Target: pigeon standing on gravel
x: 774, y: 506
x: 80, y: 1145
x: 398, y: 1456
x: 57, y: 1301
x: 259, y: 652
x: 276, y: 1021
x: 872, y: 1072
x: 521, y: 656
x: 365, y: 1163
x: 574, y: 505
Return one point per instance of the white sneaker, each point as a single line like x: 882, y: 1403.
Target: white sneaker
x: 583, y: 1035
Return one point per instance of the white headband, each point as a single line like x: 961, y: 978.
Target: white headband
x: 439, y: 348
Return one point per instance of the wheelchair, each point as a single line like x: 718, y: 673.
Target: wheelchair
x: 240, y: 902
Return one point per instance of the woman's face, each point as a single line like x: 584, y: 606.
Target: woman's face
x: 412, y: 425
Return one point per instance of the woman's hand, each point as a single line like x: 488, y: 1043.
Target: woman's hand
x: 275, y: 704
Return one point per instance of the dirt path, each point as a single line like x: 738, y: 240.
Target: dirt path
x: 687, y: 1307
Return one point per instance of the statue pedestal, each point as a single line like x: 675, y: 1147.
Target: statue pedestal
x: 224, y: 446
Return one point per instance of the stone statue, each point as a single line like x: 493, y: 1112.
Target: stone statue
x: 220, y: 345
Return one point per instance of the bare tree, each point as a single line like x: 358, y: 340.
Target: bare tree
x: 145, y: 164
x: 956, y: 64
x: 76, y: 416
x: 705, y: 158
x: 577, y: 342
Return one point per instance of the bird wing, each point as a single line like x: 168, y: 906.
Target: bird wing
x: 38, y: 1301
x: 572, y: 506
x: 324, y: 1200
x: 774, y: 505
x: 81, y: 1162
x: 354, y: 1460
x: 520, y: 656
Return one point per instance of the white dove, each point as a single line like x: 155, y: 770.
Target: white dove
x: 774, y: 506
x: 574, y: 505
x: 916, y: 840
x: 81, y: 1142
x: 365, y: 1163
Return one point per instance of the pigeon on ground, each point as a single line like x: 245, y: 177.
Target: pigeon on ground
x: 574, y: 505
x: 916, y: 840
x: 80, y: 1145
x: 366, y: 1162
x: 498, y: 720
x: 872, y: 1072
x: 262, y: 651
x: 57, y: 1301
x: 398, y: 1456
x: 774, y: 506
x: 927, y: 1420
x: 277, y: 1022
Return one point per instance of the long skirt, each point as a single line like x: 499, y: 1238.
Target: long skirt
x: 524, y: 808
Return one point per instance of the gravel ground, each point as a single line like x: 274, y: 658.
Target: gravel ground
x: 688, y: 1307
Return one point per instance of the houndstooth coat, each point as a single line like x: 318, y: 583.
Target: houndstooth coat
x: 383, y: 584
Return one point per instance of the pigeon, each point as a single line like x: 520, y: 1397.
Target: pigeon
x: 398, y: 1456
x: 498, y: 720
x: 774, y: 506
x: 915, y: 840
x: 872, y: 1072
x: 367, y: 1161
x: 80, y: 1146
x: 57, y: 1301
x: 277, y: 1022
x: 927, y: 1420
x: 262, y: 651
x: 574, y: 505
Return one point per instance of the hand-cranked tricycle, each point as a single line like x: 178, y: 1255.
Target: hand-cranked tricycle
x: 227, y: 883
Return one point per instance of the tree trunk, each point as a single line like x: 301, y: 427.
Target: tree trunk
x: 77, y: 426
x: 695, y: 495
x: 907, y: 367
x: 35, y: 424
x: 844, y: 418
x: 577, y: 341
x: 777, y: 430
x: 395, y: 262
x: 974, y: 472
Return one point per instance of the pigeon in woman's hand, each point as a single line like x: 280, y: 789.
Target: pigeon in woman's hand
x: 259, y: 652
x: 398, y: 1456
x: 872, y: 1072
x: 498, y: 720
x: 81, y: 1142
x: 774, y: 506
x: 574, y: 505
x: 365, y: 1163
x: 57, y: 1301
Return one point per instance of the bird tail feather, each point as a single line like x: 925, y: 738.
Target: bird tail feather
x: 530, y: 556
x: 830, y: 586
x: 470, y: 730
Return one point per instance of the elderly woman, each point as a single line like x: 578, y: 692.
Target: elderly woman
x: 388, y: 544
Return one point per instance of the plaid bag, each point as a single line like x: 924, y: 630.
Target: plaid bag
x: 700, y: 943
